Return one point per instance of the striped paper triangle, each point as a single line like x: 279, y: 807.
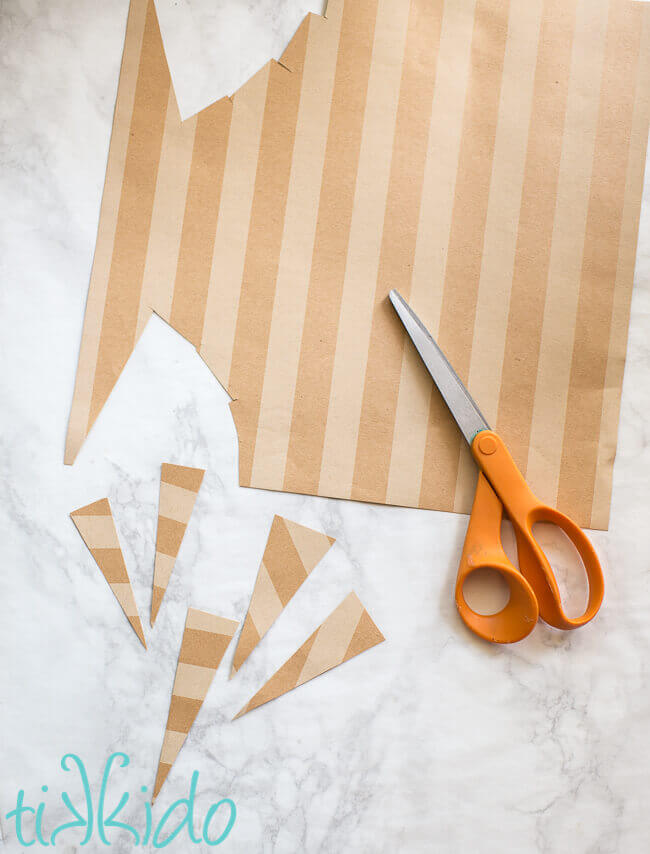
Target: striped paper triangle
x: 348, y: 631
x: 292, y: 552
x: 205, y: 640
x: 179, y: 486
x: 97, y: 528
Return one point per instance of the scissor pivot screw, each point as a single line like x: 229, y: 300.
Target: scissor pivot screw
x: 487, y: 445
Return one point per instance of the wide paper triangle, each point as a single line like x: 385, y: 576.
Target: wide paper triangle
x: 292, y: 552
x: 179, y: 486
x: 348, y: 631
x: 97, y: 528
x: 205, y: 640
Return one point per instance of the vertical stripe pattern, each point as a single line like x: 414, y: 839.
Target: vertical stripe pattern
x: 291, y: 553
x: 200, y: 219
x: 600, y: 259
x: 122, y: 305
x: 292, y: 282
x: 398, y: 240
x: 468, y: 220
x: 485, y: 157
x: 348, y: 631
x: 331, y: 244
x: 179, y: 486
x: 536, y: 219
x: 624, y: 275
x: 264, y: 245
x: 409, y: 481
x: 205, y: 641
x: 97, y: 528
x: 79, y: 425
x: 565, y: 261
x: 365, y: 243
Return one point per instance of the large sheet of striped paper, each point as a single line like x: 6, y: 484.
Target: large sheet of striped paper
x: 485, y: 157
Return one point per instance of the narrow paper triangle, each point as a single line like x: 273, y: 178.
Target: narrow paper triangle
x: 348, y: 631
x: 179, y: 486
x: 292, y: 552
x: 205, y: 640
x: 97, y: 528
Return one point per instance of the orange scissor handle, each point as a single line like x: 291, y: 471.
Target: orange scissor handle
x: 524, y: 510
x: 483, y: 550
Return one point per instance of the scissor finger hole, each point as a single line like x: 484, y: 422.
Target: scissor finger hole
x: 567, y: 566
x: 509, y: 542
x: 486, y: 591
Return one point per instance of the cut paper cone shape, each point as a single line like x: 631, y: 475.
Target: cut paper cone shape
x: 179, y: 486
x: 292, y: 552
x: 97, y: 528
x: 348, y: 631
x: 483, y: 157
x: 205, y: 640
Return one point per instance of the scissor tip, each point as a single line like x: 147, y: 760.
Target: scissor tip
x: 395, y: 296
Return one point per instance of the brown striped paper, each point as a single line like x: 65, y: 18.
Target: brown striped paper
x: 485, y: 157
x: 292, y: 552
x: 97, y: 528
x: 348, y: 631
x: 205, y: 640
x: 179, y: 486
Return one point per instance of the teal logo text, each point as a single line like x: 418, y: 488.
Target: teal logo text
x: 99, y: 822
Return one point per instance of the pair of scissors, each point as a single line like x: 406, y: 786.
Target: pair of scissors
x: 501, y: 487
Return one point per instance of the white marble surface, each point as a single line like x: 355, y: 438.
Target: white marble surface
x: 433, y: 741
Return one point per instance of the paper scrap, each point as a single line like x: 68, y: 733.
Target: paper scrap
x: 97, y: 528
x: 484, y: 157
x: 205, y: 640
x: 292, y: 552
x: 348, y: 631
x: 179, y: 486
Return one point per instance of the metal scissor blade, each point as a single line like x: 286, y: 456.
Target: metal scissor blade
x: 458, y: 399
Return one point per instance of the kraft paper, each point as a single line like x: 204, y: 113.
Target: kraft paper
x: 484, y: 157
x: 179, y: 486
x: 292, y: 552
x: 348, y: 631
x: 205, y: 640
x: 97, y: 528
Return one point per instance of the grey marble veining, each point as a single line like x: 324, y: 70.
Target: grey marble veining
x: 433, y: 741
